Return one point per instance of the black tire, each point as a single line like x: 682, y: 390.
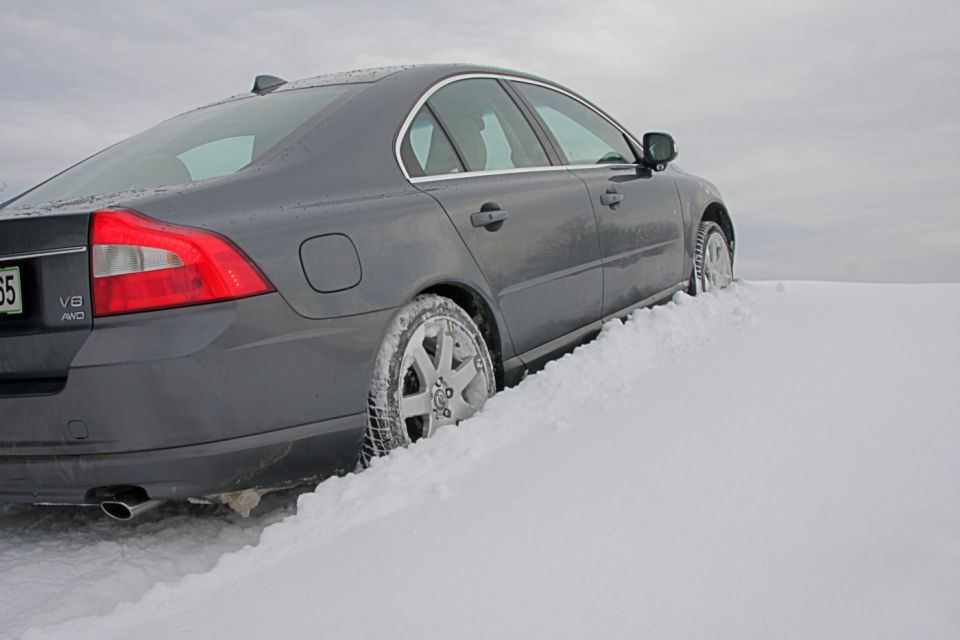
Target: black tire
x: 397, y: 374
x: 711, y: 271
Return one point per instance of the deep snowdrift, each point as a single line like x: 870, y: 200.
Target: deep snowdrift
x: 775, y: 461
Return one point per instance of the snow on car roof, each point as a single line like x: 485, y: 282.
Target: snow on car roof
x: 355, y: 76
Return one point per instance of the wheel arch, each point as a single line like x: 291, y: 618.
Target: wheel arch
x: 716, y: 212
x: 481, y: 311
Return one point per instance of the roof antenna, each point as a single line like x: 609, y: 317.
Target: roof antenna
x: 266, y: 84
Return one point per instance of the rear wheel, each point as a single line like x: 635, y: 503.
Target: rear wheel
x: 433, y: 369
x: 712, y: 263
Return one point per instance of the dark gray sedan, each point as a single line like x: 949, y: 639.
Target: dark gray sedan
x: 284, y: 284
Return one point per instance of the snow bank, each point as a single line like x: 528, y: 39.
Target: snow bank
x: 759, y: 463
x: 60, y: 563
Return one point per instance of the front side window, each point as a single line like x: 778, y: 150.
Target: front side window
x: 584, y: 136
x: 487, y: 127
x: 206, y: 143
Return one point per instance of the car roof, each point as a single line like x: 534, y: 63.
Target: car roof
x: 413, y: 72
x: 418, y: 74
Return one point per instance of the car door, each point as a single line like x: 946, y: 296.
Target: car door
x: 528, y: 224
x: 638, y: 210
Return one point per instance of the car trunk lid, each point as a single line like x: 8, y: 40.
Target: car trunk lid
x: 44, y: 262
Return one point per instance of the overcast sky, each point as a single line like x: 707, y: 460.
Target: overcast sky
x: 831, y: 128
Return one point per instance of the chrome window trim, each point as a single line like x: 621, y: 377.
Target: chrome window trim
x: 494, y: 172
x: 500, y: 172
x: 42, y: 254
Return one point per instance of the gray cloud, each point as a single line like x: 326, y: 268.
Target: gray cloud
x: 830, y: 127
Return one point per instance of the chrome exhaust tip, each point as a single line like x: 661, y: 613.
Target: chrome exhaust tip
x: 123, y: 511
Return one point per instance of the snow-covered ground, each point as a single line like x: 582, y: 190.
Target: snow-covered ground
x: 777, y: 461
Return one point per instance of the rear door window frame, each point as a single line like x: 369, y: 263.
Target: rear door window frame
x: 544, y: 143
x: 554, y: 155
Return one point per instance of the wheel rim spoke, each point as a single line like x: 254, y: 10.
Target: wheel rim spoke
x: 460, y: 409
x: 445, y: 352
x: 424, y: 365
x: 429, y: 425
x: 418, y: 404
x: 464, y: 375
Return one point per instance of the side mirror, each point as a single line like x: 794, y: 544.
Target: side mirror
x: 659, y: 149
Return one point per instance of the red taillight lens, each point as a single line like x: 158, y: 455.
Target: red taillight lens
x: 139, y: 264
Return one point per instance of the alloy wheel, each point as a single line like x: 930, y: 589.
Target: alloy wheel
x: 444, y: 380
x: 717, y: 266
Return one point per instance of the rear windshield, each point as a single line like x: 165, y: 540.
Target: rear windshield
x: 199, y: 145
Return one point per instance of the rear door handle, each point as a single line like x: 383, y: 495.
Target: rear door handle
x: 612, y: 198
x: 488, y: 218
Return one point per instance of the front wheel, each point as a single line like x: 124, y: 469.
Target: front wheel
x: 712, y: 262
x: 433, y: 369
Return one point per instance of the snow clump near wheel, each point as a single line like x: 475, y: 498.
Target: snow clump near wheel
x: 433, y: 369
x: 712, y: 262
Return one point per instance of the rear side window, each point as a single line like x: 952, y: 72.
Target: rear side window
x: 426, y: 150
x: 486, y: 126
x: 584, y: 136
x: 207, y: 143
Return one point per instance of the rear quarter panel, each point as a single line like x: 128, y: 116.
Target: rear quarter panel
x: 405, y: 242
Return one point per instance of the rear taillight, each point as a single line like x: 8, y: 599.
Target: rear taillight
x: 139, y: 264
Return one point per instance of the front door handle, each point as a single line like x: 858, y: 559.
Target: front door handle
x: 488, y: 218
x: 612, y: 198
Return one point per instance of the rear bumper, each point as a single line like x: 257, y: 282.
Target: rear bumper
x: 189, y: 402
x: 274, y: 459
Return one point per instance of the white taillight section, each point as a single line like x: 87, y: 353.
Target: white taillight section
x: 121, y: 259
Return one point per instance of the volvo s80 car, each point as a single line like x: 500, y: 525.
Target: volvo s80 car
x: 283, y: 284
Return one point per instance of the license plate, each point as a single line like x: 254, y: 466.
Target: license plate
x: 11, y: 301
